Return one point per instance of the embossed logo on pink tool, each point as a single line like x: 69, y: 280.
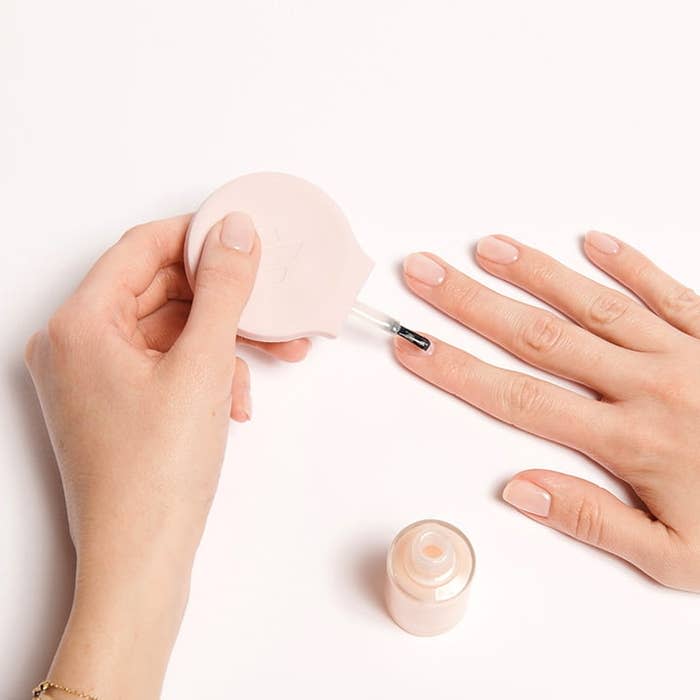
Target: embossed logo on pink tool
x: 311, y: 266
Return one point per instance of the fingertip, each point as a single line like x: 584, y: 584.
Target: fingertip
x: 401, y: 349
x: 239, y: 416
x: 296, y: 350
x: 500, y: 250
x: 421, y: 271
x: 597, y: 242
x: 286, y: 351
x: 241, y: 403
x: 406, y: 352
x: 527, y: 496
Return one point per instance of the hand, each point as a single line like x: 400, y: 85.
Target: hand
x: 137, y: 381
x: 643, y: 362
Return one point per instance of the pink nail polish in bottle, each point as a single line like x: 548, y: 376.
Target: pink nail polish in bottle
x: 429, y: 567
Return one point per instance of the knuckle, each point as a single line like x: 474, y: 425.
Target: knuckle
x: 642, y: 272
x: 607, y: 308
x: 224, y: 279
x: 521, y: 396
x: 588, y: 521
x: 454, y: 376
x: 140, y: 231
x: 540, y: 274
x: 149, y: 241
x: 131, y: 233
x: 680, y: 300
x: 462, y: 297
x: 67, y: 326
x: 58, y: 328
x: 543, y: 334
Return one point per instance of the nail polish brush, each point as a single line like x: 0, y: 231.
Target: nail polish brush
x: 389, y: 324
x: 311, y: 266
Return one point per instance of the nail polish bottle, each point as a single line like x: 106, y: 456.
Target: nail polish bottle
x: 429, y: 567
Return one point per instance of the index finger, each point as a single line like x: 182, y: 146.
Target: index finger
x: 533, y: 405
x: 129, y: 266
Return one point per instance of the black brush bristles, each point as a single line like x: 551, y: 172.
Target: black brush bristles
x: 416, y: 339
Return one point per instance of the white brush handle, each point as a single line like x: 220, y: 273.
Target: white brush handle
x: 376, y: 318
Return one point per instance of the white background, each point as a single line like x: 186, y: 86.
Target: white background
x: 431, y: 123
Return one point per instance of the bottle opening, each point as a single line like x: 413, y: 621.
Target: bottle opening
x: 432, y: 551
x: 432, y: 556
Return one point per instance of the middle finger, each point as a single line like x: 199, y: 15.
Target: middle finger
x: 536, y: 336
x: 594, y: 306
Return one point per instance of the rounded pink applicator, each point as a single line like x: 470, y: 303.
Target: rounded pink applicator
x: 311, y: 267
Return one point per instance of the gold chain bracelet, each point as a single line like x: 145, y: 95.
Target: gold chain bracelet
x: 45, y: 685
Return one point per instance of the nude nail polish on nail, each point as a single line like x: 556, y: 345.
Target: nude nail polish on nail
x: 602, y: 242
x: 424, y: 269
x: 496, y: 250
x: 525, y: 495
x: 238, y: 232
x: 429, y: 567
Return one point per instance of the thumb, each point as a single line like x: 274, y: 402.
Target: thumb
x: 592, y: 515
x: 224, y: 280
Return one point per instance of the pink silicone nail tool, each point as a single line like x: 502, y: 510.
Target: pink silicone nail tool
x: 311, y: 266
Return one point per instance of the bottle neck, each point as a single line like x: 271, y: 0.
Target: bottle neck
x: 431, y: 557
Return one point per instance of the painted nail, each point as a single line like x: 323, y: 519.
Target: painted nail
x: 602, y: 242
x: 403, y: 347
x: 496, y: 250
x: 424, y: 269
x: 527, y: 496
x: 238, y: 232
x: 248, y: 405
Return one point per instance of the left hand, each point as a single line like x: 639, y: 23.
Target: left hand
x: 642, y: 361
x: 137, y: 379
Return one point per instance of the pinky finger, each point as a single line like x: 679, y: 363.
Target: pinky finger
x: 241, y: 404
x: 596, y: 517
x: 664, y: 295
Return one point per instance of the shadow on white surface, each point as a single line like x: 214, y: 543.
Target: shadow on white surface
x: 42, y: 589
x: 370, y: 577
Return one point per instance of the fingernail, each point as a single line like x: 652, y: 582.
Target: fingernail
x: 248, y: 405
x: 238, y: 232
x: 424, y: 269
x: 527, y: 496
x: 603, y: 242
x: 496, y: 250
x: 405, y: 348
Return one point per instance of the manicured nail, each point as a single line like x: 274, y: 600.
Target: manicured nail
x: 602, y: 242
x: 527, y: 496
x: 403, y: 347
x: 248, y: 405
x: 496, y: 250
x: 424, y: 269
x: 238, y: 232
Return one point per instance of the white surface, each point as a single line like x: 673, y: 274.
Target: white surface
x: 432, y: 124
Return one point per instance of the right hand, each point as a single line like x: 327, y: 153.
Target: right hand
x: 642, y: 361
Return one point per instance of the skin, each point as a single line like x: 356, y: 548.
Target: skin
x: 137, y: 383
x: 138, y: 380
x: 641, y: 359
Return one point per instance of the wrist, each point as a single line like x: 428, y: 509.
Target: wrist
x: 124, y: 621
